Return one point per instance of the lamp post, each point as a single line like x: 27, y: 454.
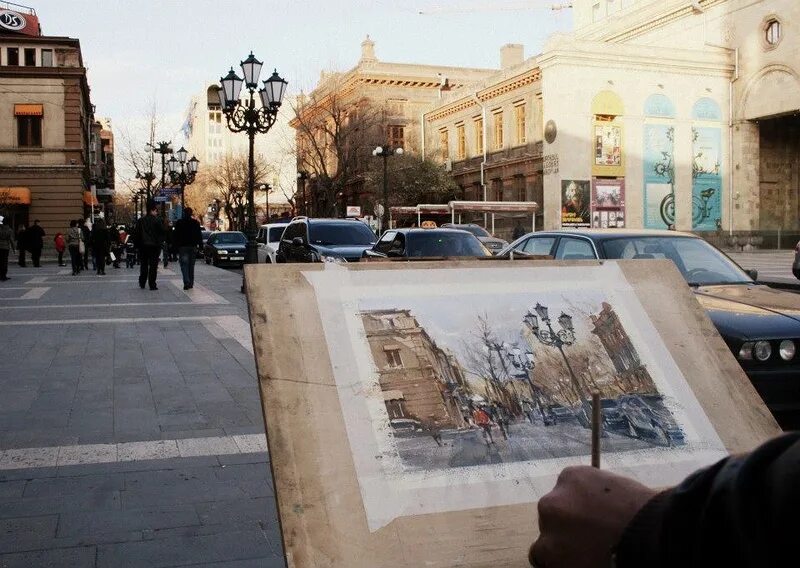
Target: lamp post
x: 182, y: 171
x: 242, y: 115
x: 384, y: 152
x: 266, y: 188
x: 302, y: 176
x: 558, y: 339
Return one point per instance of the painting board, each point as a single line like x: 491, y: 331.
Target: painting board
x: 355, y: 487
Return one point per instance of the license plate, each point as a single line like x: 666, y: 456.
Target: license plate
x: 236, y: 258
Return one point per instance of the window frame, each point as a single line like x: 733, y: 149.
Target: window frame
x: 26, y: 51
x: 30, y: 132
x: 772, y: 22
x: 10, y: 50
x: 444, y: 143
x: 394, y: 360
x: 395, y: 134
x: 498, y: 141
x: 478, y: 134
x: 461, y: 141
x: 48, y: 52
x: 520, y: 123
x: 574, y: 238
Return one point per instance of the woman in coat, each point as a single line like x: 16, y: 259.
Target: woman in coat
x: 101, y: 245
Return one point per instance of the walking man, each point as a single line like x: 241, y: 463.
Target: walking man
x: 35, y: 241
x: 149, y: 238
x: 6, y: 245
x: 100, y: 246
x: 74, y: 239
x: 187, y: 237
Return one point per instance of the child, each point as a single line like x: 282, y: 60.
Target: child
x: 61, y: 246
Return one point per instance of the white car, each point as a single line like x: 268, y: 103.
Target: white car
x: 269, y: 237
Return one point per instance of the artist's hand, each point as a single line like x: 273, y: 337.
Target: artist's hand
x: 582, y: 519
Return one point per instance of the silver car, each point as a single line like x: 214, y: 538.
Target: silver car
x: 269, y: 237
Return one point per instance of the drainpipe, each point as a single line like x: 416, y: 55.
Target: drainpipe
x: 422, y: 130
x: 483, y: 138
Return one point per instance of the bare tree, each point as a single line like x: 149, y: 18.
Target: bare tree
x: 137, y: 158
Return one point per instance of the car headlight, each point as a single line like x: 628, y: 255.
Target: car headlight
x: 762, y: 350
x: 334, y: 259
x: 746, y: 351
x: 787, y: 349
x: 222, y: 252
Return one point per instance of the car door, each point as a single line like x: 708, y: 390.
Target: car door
x: 575, y: 248
x: 286, y: 248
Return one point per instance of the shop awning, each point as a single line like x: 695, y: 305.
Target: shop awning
x: 89, y: 199
x: 28, y: 110
x: 15, y: 196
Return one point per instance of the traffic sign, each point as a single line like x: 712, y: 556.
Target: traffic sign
x: 169, y: 191
x: 160, y: 198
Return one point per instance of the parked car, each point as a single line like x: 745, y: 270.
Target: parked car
x: 404, y: 427
x: 324, y: 240
x: 559, y: 414
x: 268, y: 239
x: 225, y: 247
x: 761, y: 325
x: 422, y: 243
x: 206, y: 235
x: 492, y: 243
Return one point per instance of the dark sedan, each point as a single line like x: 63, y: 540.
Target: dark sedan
x: 761, y: 325
x: 225, y: 247
x: 426, y: 243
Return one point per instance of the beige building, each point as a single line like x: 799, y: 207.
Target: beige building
x: 389, y: 99
x: 46, y: 120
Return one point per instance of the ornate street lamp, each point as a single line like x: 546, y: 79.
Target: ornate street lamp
x: 384, y: 152
x: 182, y: 172
x: 302, y: 176
x: 242, y: 115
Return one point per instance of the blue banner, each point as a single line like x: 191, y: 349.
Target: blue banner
x: 706, y: 178
x: 659, y: 176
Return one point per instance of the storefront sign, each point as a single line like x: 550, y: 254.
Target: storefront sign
x: 169, y: 191
x: 575, y: 203
x: 10, y: 196
x: 353, y: 211
x: 13, y: 21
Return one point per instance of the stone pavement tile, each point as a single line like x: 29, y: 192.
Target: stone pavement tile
x: 97, y: 417
x: 157, y: 477
x: 245, y: 472
x: 29, y: 457
x: 249, y: 429
x: 147, y: 450
x: 167, y: 433
x: 222, y: 512
x: 185, y: 550
x: 75, y: 557
x: 134, y: 466
x: 35, y: 438
x: 90, y: 525
x: 178, y: 492
x: 81, y: 485
x: 265, y: 562
x: 26, y: 533
x: 256, y: 487
x: 25, y: 474
x: 206, y: 446
x: 11, y: 490
x: 137, y: 435
x: 249, y: 443
x: 178, y: 420
x: 90, y: 453
x: 233, y: 459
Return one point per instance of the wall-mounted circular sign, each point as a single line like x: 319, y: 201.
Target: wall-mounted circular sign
x: 550, y: 131
x: 13, y: 21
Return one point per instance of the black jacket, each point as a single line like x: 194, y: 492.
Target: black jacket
x: 743, y: 511
x: 187, y: 233
x: 34, y: 237
x: 100, y: 240
x: 149, y: 232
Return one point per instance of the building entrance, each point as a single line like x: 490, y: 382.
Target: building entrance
x: 779, y: 173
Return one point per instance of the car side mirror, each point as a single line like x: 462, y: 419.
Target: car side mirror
x: 298, y: 241
x: 752, y: 273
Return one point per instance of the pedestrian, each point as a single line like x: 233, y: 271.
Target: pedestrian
x: 149, y: 238
x: 741, y: 511
x: 6, y: 246
x: 167, y: 245
x: 431, y: 427
x: 187, y: 238
x: 22, y: 238
x: 519, y: 231
x: 35, y: 242
x: 61, y: 246
x: 86, y: 239
x: 116, y: 245
x: 484, y: 422
x: 74, y: 241
x: 100, y: 246
x: 502, y: 417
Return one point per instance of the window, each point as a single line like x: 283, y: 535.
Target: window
x: 773, y: 32
x: 444, y: 146
x: 393, y: 358
x: 498, y: 130
x: 537, y: 245
x: 461, y: 138
x: 519, y: 121
x: 30, y: 57
x: 395, y: 136
x: 574, y: 249
x: 294, y: 230
x: 479, y: 135
x: 29, y: 131
x: 12, y: 56
x: 47, y: 58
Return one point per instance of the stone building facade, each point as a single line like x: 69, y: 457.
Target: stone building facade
x: 419, y: 379
x: 46, y: 120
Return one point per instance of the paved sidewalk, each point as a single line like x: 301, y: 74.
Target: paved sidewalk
x: 130, y: 424
x: 772, y: 265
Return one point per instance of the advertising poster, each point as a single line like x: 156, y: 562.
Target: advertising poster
x: 575, y: 203
x: 608, y: 145
x: 608, y: 199
x: 659, y: 176
x: 706, y: 178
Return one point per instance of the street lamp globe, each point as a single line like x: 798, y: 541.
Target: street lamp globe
x: 377, y: 151
x: 541, y: 310
x: 182, y: 155
x: 251, y: 68
x: 398, y: 151
x: 274, y: 88
x: 532, y: 321
x: 194, y: 163
x: 173, y: 165
x: 232, y: 86
x: 565, y: 321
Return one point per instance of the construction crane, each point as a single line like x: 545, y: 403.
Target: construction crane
x: 493, y: 7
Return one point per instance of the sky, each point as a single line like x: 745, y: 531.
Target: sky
x: 145, y: 52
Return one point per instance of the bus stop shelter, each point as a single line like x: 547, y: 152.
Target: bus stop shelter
x: 492, y: 208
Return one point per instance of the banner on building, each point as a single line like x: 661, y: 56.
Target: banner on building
x: 575, y: 203
x: 607, y: 145
x: 706, y: 178
x: 608, y: 203
x: 659, y: 176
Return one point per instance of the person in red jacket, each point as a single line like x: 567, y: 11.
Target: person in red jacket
x: 741, y: 511
x: 61, y: 246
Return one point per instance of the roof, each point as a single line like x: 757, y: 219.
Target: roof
x: 600, y: 233
x: 419, y: 230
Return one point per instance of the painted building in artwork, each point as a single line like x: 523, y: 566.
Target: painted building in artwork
x: 419, y: 379
x: 46, y: 119
x: 631, y: 373
x: 687, y: 111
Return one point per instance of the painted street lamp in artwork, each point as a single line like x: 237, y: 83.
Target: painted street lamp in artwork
x: 242, y: 115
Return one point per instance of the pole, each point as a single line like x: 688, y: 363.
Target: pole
x: 163, y: 175
x: 252, y: 252
x: 385, y: 216
x: 596, y: 426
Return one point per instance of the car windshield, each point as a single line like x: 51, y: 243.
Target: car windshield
x: 699, y: 262
x: 231, y: 239
x: 275, y: 234
x: 355, y: 233
x: 444, y: 244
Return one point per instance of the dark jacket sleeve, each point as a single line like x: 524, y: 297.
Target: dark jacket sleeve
x: 198, y: 234
x: 743, y: 511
